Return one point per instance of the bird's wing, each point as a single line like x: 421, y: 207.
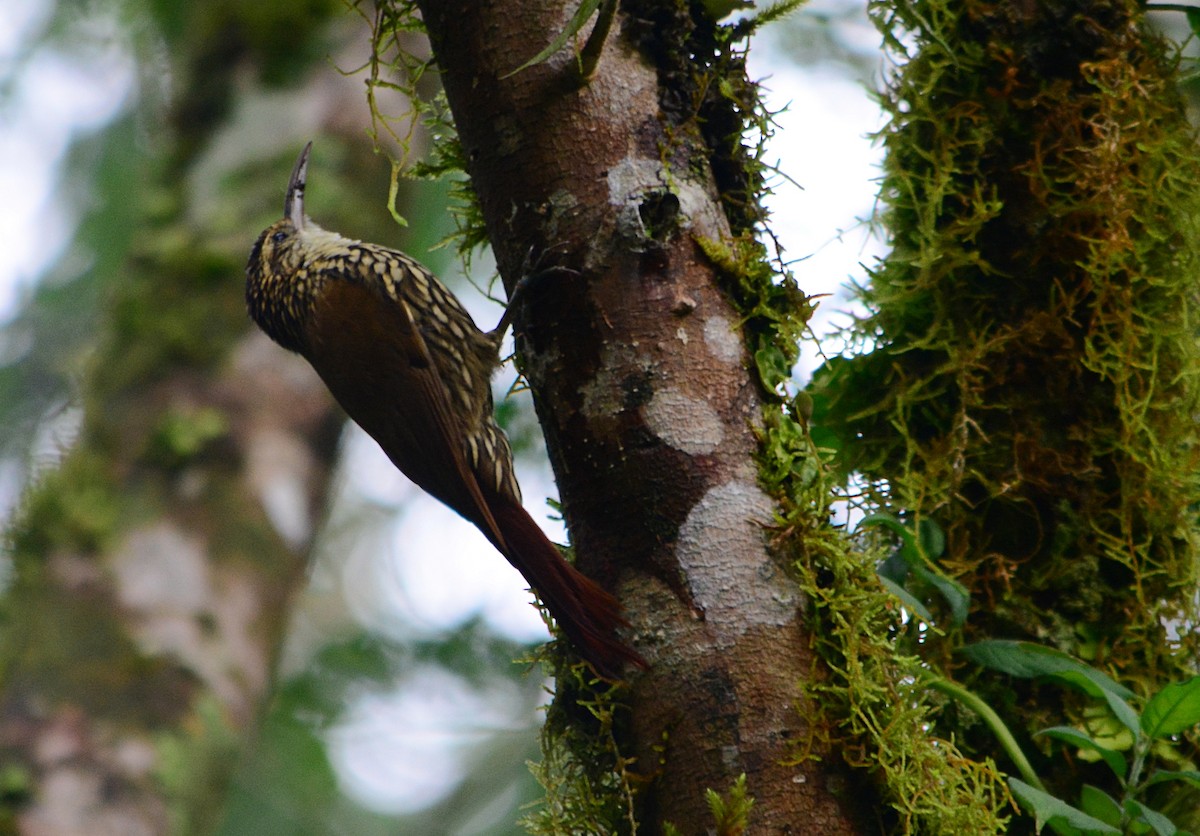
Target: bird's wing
x: 366, y: 347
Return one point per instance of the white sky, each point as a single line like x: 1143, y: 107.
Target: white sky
x: 438, y: 571
x: 57, y: 96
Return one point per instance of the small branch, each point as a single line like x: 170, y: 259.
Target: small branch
x: 1171, y: 7
x: 985, y: 712
x: 590, y: 56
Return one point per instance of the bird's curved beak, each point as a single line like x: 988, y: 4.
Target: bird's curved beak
x: 293, y: 203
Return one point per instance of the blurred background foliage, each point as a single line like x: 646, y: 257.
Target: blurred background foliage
x: 442, y: 708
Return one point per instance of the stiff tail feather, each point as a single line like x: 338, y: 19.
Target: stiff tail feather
x: 587, y: 613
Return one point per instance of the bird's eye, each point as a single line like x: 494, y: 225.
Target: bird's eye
x: 278, y: 237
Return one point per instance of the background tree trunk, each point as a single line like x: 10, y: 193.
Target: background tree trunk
x: 153, y: 570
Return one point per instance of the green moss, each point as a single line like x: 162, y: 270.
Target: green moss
x: 16, y: 790
x: 198, y: 748
x: 73, y: 508
x: 590, y: 787
x: 158, y: 325
x: 871, y: 708
x: 182, y: 435
x: 72, y: 646
x: 446, y: 160
x: 392, y: 67
x: 731, y: 812
x: 1030, y: 353
x: 73, y: 649
x: 713, y: 112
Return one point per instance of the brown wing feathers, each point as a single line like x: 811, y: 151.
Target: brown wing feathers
x: 406, y: 362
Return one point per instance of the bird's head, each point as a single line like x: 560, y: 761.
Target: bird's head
x: 280, y: 250
x: 279, y: 276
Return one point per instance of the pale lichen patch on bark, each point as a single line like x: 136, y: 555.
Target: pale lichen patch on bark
x: 74, y: 800
x: 628, y: 182
x: 159, y: 567
x: 634, y: 179
x: 163, y: 579
x: 631, y: 177
x: 721, y: 534
x: 287, y: 402
x: 558, y: 208
x: 604, y: 395
x: 700, y: 213
x: 685, y: 423
x: 722, y: 341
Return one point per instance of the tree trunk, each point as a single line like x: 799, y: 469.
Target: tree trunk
x: 153, y: 569
x: 641, y: 379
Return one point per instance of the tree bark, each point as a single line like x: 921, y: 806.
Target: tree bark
x: 640, y: 377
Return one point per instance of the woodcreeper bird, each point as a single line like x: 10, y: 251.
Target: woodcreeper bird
x: 406, y: 362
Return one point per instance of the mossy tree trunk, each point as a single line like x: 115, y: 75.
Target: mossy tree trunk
x: 644, y: 385
x: 1032, y: 389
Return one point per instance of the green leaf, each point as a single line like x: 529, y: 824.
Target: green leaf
x: 889, y: 522
x: 928, y: 545
x: 1115, y: 760
x: 1162, y: 825
x: 1028, y: 660
x: 915, y: 555
x: 826, y: 439
x: 1104, y: 728
x: 894, y: 568
x: 933, y: 539
x: 582, y: 15
x: 1085, y: 681
x: 908, y: 546
x: 1191, y: 776
x: 773, y: 368
x: 955, y: 593
x: 909, y: 600
x: 1096, y: 802
x: 1193, y: 19
x: 1124, y: 712
x: 1046, y: 808
x: 1173, y: 709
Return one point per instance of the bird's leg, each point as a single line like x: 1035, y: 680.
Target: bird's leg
x: 496, y: 335
x: 518, y: 296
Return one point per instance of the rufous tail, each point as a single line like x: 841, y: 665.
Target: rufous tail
x: 584, y: 611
